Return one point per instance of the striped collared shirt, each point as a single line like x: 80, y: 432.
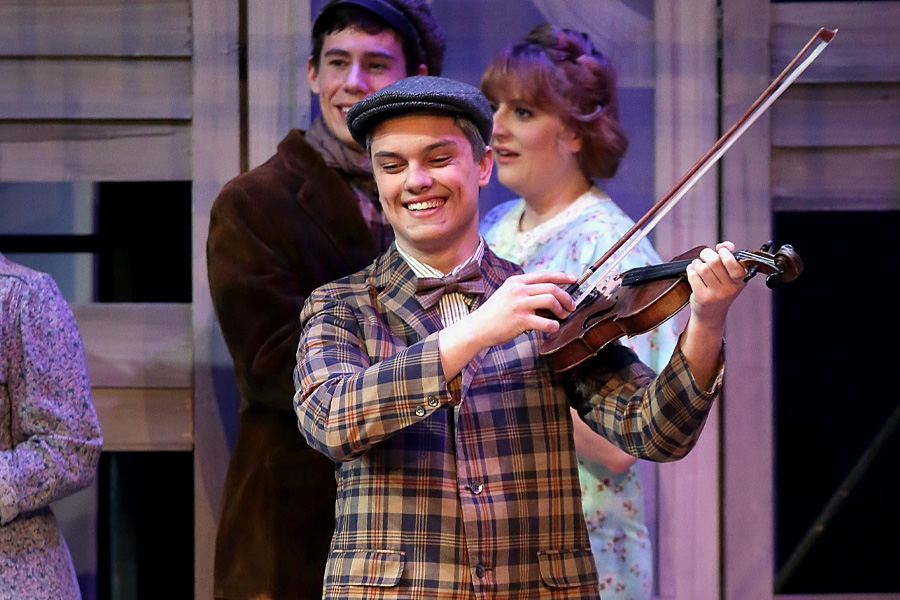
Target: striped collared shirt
x: 454, y: 306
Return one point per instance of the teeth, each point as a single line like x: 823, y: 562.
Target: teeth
x: 424, y: 205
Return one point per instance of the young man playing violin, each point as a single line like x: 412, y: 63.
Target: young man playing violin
x: 456, y: 466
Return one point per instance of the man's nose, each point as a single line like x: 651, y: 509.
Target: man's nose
x: 356, y: 81
x: 418, y: 179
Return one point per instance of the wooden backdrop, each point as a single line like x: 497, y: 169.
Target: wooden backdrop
x: 832, y: 142
x: 151, y: 90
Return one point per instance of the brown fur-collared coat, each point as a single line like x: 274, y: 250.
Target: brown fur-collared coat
x: 276, y: 233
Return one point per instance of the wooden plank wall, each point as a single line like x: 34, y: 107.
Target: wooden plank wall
x: 95, y: 91
x: 836, y: 135
x: 832, y: 142
x: 275, y: 99
x: 278, y: 45
x: 101, y: 91
x: 747, y: 398
x: 685, y: 123
x: 141, y: 368
x: 216, y: 143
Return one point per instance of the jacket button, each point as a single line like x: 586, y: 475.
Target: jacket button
x: 479, y: 570
x: 420, y: 411
x: 477, y: 488
x: 432, y: 401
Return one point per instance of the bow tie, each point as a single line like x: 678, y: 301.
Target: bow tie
x: 466, y: 281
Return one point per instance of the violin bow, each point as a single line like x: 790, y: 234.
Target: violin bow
x: 804, y: 58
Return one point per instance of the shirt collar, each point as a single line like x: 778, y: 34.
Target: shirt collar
x: 420, y: 269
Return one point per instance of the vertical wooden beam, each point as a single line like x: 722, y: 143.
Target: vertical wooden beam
x: 278, y: 46
x: 686, y: 127
x: 747, y: 215
x: 216, y: 159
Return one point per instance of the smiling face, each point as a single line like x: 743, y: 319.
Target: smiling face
x: 354, y: 65
x: 428, y: 183
x: 535, y: 152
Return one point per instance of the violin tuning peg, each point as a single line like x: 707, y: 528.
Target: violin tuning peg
x: 773, y: 280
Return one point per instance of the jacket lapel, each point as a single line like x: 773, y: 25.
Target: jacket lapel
x: 494, y: 272
x: 395, y: 284
x: 394, y: 287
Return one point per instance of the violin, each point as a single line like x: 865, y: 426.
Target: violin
x: 639, y: 300
x: 608, y: 306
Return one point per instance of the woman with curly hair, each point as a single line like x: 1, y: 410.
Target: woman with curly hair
x: 556, y: 136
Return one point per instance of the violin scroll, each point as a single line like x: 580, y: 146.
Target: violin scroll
x: 784, y: 266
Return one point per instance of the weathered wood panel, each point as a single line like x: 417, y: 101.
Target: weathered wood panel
x: 747, y: 431
x: 685, y: 128
x: 95, y: 27
x: 278, y: 96
x: 98, y: 151
x: 216, y: 159
x: 866, y: 48
x: 137, y: 345
x: 95, y: 89
x: 858, y: 178
x: 837, y: 115
x: 145, y: 419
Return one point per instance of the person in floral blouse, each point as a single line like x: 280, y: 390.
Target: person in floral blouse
x: 556, y: 131
x: 50, y: 439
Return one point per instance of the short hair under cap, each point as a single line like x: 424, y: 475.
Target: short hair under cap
x: 422, y: 93
x: 411, y: 19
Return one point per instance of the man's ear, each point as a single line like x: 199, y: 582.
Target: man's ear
x: 423, y: 70
x: 485, y: 166
x: 312, y: 75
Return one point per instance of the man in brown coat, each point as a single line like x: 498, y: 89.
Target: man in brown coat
x: 307, y: 216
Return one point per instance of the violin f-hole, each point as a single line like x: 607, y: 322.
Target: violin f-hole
x: 600, y: 315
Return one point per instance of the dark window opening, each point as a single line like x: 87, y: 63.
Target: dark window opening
x: 835, y: 352
x: 145, y: 231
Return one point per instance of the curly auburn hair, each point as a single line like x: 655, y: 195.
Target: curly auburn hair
x: 560, y: 71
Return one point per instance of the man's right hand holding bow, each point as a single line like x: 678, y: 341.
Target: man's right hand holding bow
x: 508, y: 313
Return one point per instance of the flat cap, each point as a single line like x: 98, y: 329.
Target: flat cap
x: 422, y: 93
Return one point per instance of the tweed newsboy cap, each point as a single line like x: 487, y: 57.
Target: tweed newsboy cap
x: 422, y: 93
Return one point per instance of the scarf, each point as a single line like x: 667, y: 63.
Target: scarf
x: 356, y: 169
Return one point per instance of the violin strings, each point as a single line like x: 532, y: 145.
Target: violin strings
x: 676, y: 268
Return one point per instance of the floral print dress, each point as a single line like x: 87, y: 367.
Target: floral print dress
x: 50, y: 439
x: 613, y: 503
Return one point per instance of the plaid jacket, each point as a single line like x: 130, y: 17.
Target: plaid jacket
x: 467, y: 488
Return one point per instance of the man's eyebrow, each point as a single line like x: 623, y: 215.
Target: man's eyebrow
x: 430, y: 147
x: 332, y: 51
x: 386, y: 154
x: 369, y: 55
x: 440, y: 144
